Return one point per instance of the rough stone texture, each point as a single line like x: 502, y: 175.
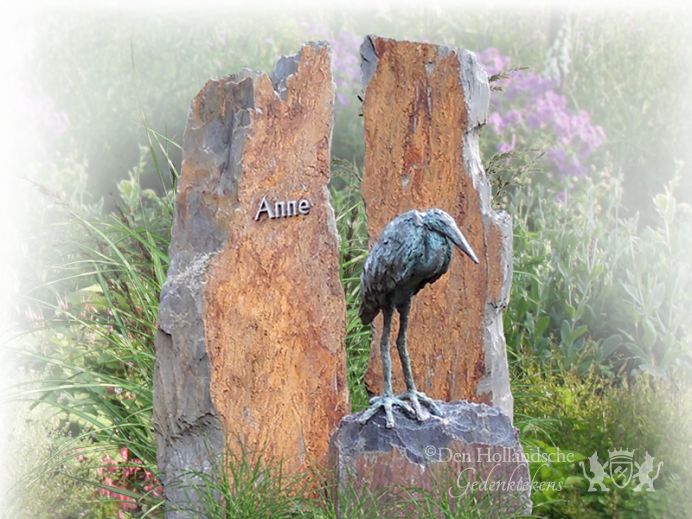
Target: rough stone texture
x: 470, y: 444
x: 423, y: 108
x: 252, y: 315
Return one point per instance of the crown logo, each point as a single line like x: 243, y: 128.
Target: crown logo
x: 620, y: 454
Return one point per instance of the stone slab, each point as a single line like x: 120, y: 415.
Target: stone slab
x: 250, y: 349
x: 423, y: 108
x: 471, y: 454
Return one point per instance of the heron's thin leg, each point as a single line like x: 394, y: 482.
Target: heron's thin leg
x: 412, y: 394
x: 401, y: 346
x: 387, y: 400
x: 384, y: 351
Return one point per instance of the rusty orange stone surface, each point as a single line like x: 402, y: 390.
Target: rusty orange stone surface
x: 421, y: 152
x: 274, y: 306
x: 250, y: 350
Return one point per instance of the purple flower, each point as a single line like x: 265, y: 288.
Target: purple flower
x: 493, y: 61
x: 557, y: 158
x: 497, y: 122
x: 532, y: 107
x: 506, y: 147
x: 345, y: 61
x: 514, y: 117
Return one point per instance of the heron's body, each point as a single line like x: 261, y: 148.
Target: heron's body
x: 407, y: 256
x: 414, y: 250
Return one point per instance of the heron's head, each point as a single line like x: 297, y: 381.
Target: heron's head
x: 441, y: 222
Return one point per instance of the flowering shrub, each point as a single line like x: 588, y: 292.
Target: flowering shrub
x: 127, y: 474
x: 346, y: 52
x: 348, y: 126
x: 532, y: 108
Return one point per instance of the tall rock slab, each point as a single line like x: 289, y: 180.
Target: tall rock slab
x: 423, y: 107
x: 250, y: 348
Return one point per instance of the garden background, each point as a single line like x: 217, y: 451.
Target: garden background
x: 587, y: 146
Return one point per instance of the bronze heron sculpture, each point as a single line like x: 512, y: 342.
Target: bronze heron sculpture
x: 414, y: 249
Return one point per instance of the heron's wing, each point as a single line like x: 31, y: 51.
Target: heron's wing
x: 391, y: 263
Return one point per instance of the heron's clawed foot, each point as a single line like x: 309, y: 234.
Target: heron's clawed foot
x: 387, y: 402
x: 418, y: 397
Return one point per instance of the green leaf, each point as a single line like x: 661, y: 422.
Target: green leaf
x: 565, y: 334
x: 542, y: 323
x: 578, y: 332
x: 649, y: 336
x: 610, y: 345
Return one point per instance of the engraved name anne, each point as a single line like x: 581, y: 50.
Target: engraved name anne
x: 282, y: 209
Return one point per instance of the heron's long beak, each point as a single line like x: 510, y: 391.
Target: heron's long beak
x: 458, y: 239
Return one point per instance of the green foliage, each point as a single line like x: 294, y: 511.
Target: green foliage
x: 626, y: 72
x: 589, y: 284
x: 565, y: 417
x: 95, y: 353
x: 114, y: 75
x: 108, y: 74
x: 576, y: 263
x: 252, y: 484
x: 353, y: 249
x: 451, y: 496
x: 246, y: 486
x: 39, y: 466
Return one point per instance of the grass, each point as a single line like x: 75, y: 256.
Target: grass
x: 95, y: 354
x: 353, y: 249
x: 249, y: 485
x: 245, y: 486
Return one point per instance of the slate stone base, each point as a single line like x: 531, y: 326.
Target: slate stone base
x: 468, y: 459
